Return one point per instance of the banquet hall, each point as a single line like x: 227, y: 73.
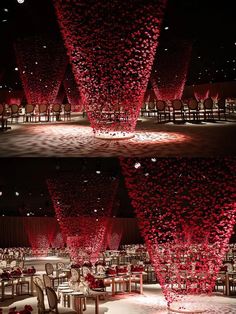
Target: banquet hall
x: 167, y: 89
x: 117, y: 156
x: 146, y: 235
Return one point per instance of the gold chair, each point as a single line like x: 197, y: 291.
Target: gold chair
x: 40, y: 300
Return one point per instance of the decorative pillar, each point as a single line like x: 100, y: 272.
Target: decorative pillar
x: 111, y: 48
x: 186, y: 210
x: 42, y: 64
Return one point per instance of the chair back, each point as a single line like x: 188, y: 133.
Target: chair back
x: 13, y: 264
x: 56, y: 108
x: 193, y: 104
x: 177, y: 104
x: 143, y: 106
x: 221, y: 103
x: 161, y: 105
x: 52, y: 299
x: 49, y: 268
x: 40, y: 299
x: 43, y: 108
x: 3, y: 264
x: 75, y: 276
x: 47, y: 281
x: 60, y: 265
x: 1, y: 109
x: 67, y: 108
x: 151, y: 105
x: 208, y: 103
x: 38, y: 281
x: 14, y: 108
x: 85, y: 271
x: 29, y: 108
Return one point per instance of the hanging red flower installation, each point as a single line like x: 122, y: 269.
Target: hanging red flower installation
x: 88, y: 238
x: 83, y: 204
x: 111, y: 48
x: 72, y: 92
x: 40, y: 235
x: 186, y: 210
x: 170, y: 70
x: 42, y: 64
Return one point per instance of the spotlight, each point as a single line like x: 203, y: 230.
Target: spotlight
x: 17, y: 193
x: 0, y: 193
x: 16, y: 69
x: 20, y: 1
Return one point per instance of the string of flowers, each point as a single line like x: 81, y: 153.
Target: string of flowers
x: 186, y: 211
x: 83, y: 204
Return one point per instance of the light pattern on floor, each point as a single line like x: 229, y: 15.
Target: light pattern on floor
x: 76, y: 139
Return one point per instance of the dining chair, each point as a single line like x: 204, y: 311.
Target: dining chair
x: 53, y: 303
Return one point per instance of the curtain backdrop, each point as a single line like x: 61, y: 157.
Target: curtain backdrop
x: 13, y: 233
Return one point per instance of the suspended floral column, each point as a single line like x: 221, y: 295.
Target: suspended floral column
x: 42, y: 64
x: 40, y: 232
x: 83, y: 204
x: 72, y: 92
x: 88, y: 237
x: 111, y: 48
x: 170, y: 70
x: 186, y: 210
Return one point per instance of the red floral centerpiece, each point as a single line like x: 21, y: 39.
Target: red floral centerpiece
x: 94, y: 283
x: 5, y: 275
x: 137, y: 268
x: 29, y: 271
x: 16, y: 272
x: 121, y: 270
x: 111, y: 271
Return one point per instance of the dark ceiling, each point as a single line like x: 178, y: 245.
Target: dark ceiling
x: 209, y: 24
x: 23, y: 185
